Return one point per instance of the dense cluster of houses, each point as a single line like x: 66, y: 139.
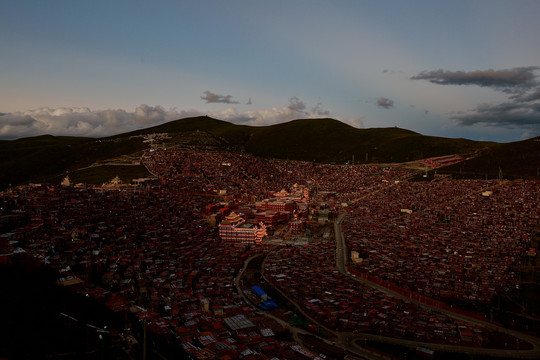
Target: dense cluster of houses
x: 150, y: 250
x: 458, y: 243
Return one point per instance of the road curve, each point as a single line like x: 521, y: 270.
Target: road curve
x: 341, y: 261
x: 342, y: 342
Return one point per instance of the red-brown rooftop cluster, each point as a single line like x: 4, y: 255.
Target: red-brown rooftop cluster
x: 457, y: 244
x: 150, y: 248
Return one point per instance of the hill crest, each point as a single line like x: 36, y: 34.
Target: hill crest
x: 322, y: 140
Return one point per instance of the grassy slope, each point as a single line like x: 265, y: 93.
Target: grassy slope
x: 323, y: 140
x: 328, y: 140
x: 98, y: 175
x: 40, y: 158
x: 234, y: 134
x: 519, y: 159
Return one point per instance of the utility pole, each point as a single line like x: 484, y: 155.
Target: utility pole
x: 144, y: 339
x: 145, y: 313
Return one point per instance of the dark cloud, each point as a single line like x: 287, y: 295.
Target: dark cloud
x: 506, y: 79
x: 522, y: 110
x: 210, y: 97
x: 529, y: 96
x: 507, y: 115
x: 385, y: 103
x: 297, y: 105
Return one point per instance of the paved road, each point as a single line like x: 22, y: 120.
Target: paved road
x: 353, y: 342
x: 341, y: 261
x: 341, y: 250
x: 342, y: 342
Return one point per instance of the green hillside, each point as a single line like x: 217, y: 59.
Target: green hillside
x: 231, y: 133
x: 321, y: 140
x: 41, y: 158
x: 328, y: 140
x: 519, y: 159
x: 97, y: 175
x: 49, y: 158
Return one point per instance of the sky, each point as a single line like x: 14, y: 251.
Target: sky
x: 95, y: 68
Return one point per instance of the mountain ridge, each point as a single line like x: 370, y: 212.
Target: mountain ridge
x: 323, y: 140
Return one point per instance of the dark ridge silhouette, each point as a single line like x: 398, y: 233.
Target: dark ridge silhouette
x: 47, y: 158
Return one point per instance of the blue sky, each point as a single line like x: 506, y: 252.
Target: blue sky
x: 447, y: 68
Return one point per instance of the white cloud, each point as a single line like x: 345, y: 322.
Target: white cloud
x: 357, y: 122
x: 296, y: 109
x: 82, y: 121
x: 85, y: 122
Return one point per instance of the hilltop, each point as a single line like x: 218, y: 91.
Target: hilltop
x: 519, y: 159
x: 49, y: 158
x: 319, y: 140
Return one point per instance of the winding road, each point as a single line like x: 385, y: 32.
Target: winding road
x: 352, y: 342
x: 341, y: 261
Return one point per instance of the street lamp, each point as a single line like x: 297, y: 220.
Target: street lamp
x: 101, y: 344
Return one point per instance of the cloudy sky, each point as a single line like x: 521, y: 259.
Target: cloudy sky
x: 447, y: 68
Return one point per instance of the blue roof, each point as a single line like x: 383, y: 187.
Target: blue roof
x: 258, y: 290
x: 270, y: 304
